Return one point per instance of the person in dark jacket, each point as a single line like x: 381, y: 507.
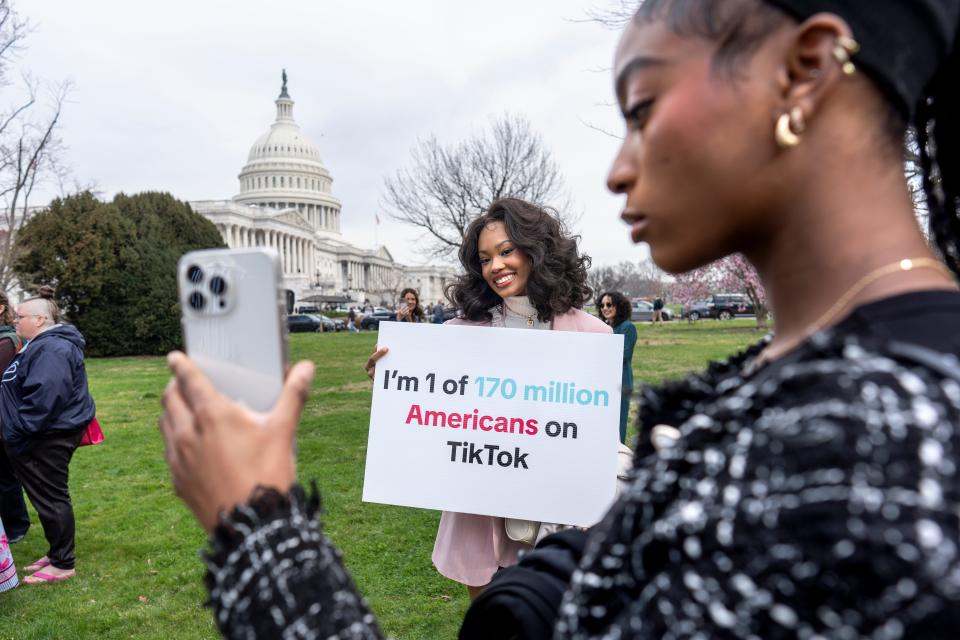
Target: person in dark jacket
x: 44, y: 408
x: 13, y: 508
x: 614, y: 309
x: 657, y: 310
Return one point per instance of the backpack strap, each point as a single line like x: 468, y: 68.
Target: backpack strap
x: 12, y: 335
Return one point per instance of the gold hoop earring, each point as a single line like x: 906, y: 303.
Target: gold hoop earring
x: 842, y: 50
x: 789, y: 127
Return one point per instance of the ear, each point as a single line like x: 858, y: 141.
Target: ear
x: 811, y: 69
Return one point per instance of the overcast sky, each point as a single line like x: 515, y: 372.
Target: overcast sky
x: 170, y: 95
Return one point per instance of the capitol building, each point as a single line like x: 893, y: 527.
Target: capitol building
x: 286, y: 202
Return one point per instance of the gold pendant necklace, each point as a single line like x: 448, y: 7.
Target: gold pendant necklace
x: 900, y: 266
x: 504, y: 308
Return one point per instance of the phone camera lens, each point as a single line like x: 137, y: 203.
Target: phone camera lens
x: 197, y: 301
x: 195, y: 274
x: 217, y: 285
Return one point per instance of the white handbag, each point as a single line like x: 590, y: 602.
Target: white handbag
x: 530, y: 532
x: 524, y: 531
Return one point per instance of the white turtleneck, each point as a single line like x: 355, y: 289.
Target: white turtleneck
x: 515, y: 313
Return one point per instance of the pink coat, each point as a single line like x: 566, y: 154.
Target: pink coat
x: 470, y: 548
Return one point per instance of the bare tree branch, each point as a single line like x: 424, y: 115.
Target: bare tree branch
x: 599, y: 129
x: 29, y: 146
x: 633, y: 279
x: 615, y: 15
x: 447, y: 186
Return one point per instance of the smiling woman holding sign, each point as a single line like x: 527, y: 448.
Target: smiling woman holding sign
x: 521, y: 271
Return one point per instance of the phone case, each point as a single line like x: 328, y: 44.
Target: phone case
x: 234, y: 327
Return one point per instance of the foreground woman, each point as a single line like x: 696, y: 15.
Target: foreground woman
x: 807, y: 488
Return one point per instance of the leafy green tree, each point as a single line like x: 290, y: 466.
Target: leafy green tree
x: 113, y: 266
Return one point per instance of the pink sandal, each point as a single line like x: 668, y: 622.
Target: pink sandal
x: 43, y: 578
x: 42, y: 563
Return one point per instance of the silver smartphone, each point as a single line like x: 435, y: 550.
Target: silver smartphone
x: 234, y: 327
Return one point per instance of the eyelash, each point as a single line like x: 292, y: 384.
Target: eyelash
x: 505, y: 252
x: 636, y: 117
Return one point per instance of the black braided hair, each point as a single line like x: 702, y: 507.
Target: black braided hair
x: 938, y: 135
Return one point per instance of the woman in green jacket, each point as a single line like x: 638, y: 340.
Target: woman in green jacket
x: 614, y: 309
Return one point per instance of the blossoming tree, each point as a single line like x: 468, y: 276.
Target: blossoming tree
x: 732, y: 274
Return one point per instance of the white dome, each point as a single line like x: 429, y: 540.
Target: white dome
x: 284, y: 141
x: 284, y: 171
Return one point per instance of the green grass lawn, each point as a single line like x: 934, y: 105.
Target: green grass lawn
x: 139, y: 575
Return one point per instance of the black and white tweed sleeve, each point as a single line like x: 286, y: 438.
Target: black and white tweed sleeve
x: 272, y: 573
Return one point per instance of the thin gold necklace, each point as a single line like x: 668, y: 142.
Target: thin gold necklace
x: 900, y: 266
x: 504, y: 308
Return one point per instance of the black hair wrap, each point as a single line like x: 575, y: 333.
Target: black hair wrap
x: 909, y: 49
x: 903, y: 43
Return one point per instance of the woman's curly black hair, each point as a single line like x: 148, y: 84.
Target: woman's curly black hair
x: 558, y: 273
x: 620, y: 303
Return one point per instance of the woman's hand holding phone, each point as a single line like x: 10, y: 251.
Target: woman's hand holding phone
x: 220, y: 451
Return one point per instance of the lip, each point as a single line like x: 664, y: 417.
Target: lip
x: 499, y: 285
x: 638, y: 224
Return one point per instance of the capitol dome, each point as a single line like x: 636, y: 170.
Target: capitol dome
x: 284, y: 171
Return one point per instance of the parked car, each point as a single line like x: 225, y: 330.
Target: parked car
x: 329, y: 324
x: 310, y: 309
x: 302, y: 322
x: 696, y: 310
x: 372, y: 321
x: 726, y: 306
x: 449, y: 313
x: 339, y: 324
x: 643, y: 312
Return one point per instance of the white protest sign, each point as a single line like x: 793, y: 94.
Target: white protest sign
x: 501, y: 422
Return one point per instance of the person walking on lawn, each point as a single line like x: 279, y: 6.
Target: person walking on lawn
x: 657, y: 311
x: 45, y: 406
